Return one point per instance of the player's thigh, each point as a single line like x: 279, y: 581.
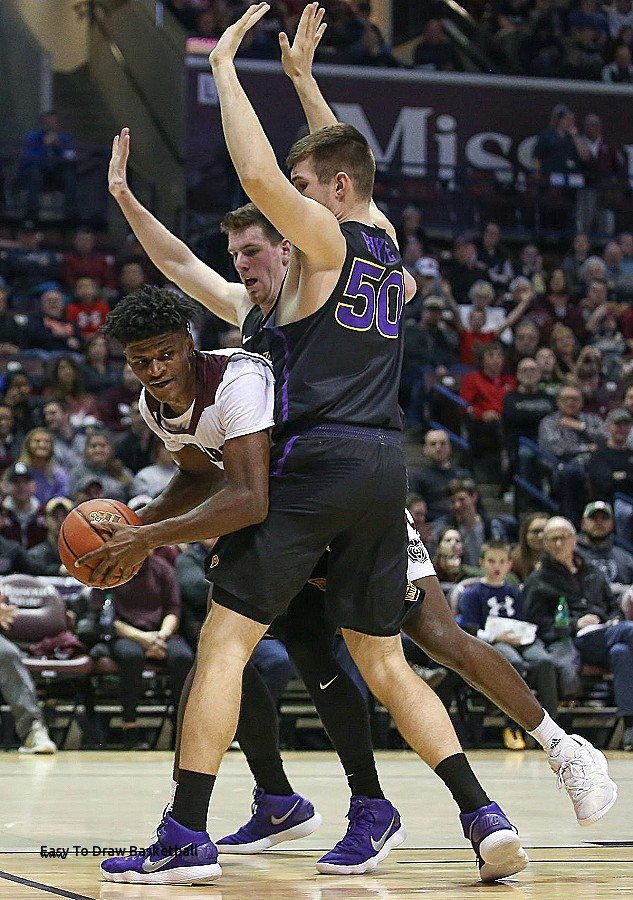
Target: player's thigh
x: 228, y: 632
x: 375, y: 656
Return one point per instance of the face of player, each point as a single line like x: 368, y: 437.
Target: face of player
x: 164, y: 366
x: 260, y: 264
x: 496, y: 565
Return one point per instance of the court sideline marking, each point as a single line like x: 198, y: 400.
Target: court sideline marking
x: 26, y: 882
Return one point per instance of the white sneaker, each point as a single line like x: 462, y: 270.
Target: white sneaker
x: 583, y: 771
x: 38, y: 740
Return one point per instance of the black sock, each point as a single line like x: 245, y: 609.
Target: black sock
x: 362, y: 776
x: 191, y: 802
x: 342, y: 711
x: 258, y: 735
x: 462, y: 782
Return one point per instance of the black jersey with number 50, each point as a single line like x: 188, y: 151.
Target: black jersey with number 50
x: 342, y: 363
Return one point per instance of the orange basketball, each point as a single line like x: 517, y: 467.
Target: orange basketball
x: 80, y: 533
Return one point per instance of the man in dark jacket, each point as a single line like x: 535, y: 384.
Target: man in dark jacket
x: 596, y: 545
x: 432, y: 478
x: 524, y: 408
x: 44, y: 558
x: 592, y: 617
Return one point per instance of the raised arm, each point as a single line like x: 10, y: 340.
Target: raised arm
x: 175, y: 260
x: 312, y: 228
x: 297, y: 58
x: 519, y: 310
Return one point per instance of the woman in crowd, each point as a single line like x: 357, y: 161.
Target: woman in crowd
x: 37, y: 453
x: 527, y: 553
x: 100, y: 461
x: 448, y: 559
x: 565, y: 346
x: 67, y: 384
x: 97, y: 371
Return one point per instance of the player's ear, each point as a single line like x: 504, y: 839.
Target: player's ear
x: 342, y: 184
x: 189, y: 343
x: 286, y: 247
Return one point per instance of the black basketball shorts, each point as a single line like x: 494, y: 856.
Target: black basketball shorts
x: 336, y: 486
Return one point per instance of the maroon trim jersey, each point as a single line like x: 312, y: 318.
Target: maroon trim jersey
x: 235, y: 395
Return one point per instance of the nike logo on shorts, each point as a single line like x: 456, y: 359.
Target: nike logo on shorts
x: 327, y: 683
x: 149, y: 866
x: 378, y: 845
x: 277, y: 821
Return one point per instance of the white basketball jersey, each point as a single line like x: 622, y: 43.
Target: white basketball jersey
x: 419, y: 563
x: 235, y: 395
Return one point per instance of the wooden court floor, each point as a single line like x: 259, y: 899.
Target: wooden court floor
x: 113, y: 799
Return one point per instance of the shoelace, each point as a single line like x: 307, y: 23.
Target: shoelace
x: 361, y: 819
x: 258, y: 793
x: 569, y: 771
x: 163, y: 821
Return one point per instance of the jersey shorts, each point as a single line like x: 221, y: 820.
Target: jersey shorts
x: 340, y: 487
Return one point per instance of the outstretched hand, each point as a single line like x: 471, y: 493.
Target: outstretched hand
x: 297, y: 59
x: 117, y: 170
x: 228, y: 45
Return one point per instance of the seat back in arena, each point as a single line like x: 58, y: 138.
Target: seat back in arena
x: 42, y: 612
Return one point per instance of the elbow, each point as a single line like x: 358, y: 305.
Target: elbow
x: 256, y: 507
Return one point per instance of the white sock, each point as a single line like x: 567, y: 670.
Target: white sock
x: 172, y: 792
x: 548, y: 734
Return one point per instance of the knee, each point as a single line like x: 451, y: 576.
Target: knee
x: 620, y: 653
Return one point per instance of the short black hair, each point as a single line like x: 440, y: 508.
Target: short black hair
x: 149, y: 312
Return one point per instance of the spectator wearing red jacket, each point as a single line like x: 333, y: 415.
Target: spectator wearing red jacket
x: 87, y: 310
x: 85, y: 260
x: 484, y: 391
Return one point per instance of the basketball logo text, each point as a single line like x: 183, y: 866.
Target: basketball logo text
x: 104, y: 516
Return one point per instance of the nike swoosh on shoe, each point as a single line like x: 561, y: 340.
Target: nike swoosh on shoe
x: 279, y: 821
x: 378, y: 845
x: 149, y: 866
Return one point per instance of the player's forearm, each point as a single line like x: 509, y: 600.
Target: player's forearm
x: 167, y: 252
x: 229, y: 510
x: 248, y: 146
x: 317, y: 111
x: 183, y: 493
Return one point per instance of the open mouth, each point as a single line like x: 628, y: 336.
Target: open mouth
x: 160, y: 385
x: 250, y: 282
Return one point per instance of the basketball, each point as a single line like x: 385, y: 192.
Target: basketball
x: 80, y: 533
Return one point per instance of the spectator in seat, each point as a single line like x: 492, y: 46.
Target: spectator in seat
x: 596, y: 545
x: 84, y: 259
x: 68, y: 442
x: 476, y: 333
x: 434, y: 52
x: 602, y: 165
x: 566, y: 348
x: 50, y: 330
x: 22, y: 519
x: 13, y: 330
x: 526, y: 555
x: 595, y: 623
x: 523, y: 409
x: 194, y: 588
x: 147, y: 616
x: 484, y: 392
x: 531, y: 267
x: 578, y: 254
x: 559, y: 150
x: 44, y: 558
x: 432, y: 478
x: 494, y: 596
x: 98, y: 372
x: 27, y: 264
x: 571, y: 435
x: 101, y: 464
x: 134, y: 448
x: 426, y: 272
x: 18, y: 396
x: 449, y: 558
x: 153, y: 479
x: 419, y: 513
x: 620, y: 71
x: 556, y: 307
x: 115, y: 403
x: 464, y: 269
x: 495, y: 257
x: 525, y: 344
x: 620, y: 15
x: 19, y: 692
x: 552, y: 378
x: 37, y: 455
x: 132, y: 276
x: 626, y: 246
x: 66, y: 384
x: 49, y: 160
x: 9, y: 442
x: 610, y: 467
x: 474, y: 527
x: 88, y: 310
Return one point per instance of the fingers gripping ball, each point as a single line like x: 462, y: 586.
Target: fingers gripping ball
x: 80, y: 533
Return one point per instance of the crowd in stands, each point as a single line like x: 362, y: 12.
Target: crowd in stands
x: 585, y: 39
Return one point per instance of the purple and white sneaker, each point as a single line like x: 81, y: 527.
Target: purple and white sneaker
x: 275, y: 819
x: 374, y: 829
x: 495, y: 841
x: 179, y: 856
